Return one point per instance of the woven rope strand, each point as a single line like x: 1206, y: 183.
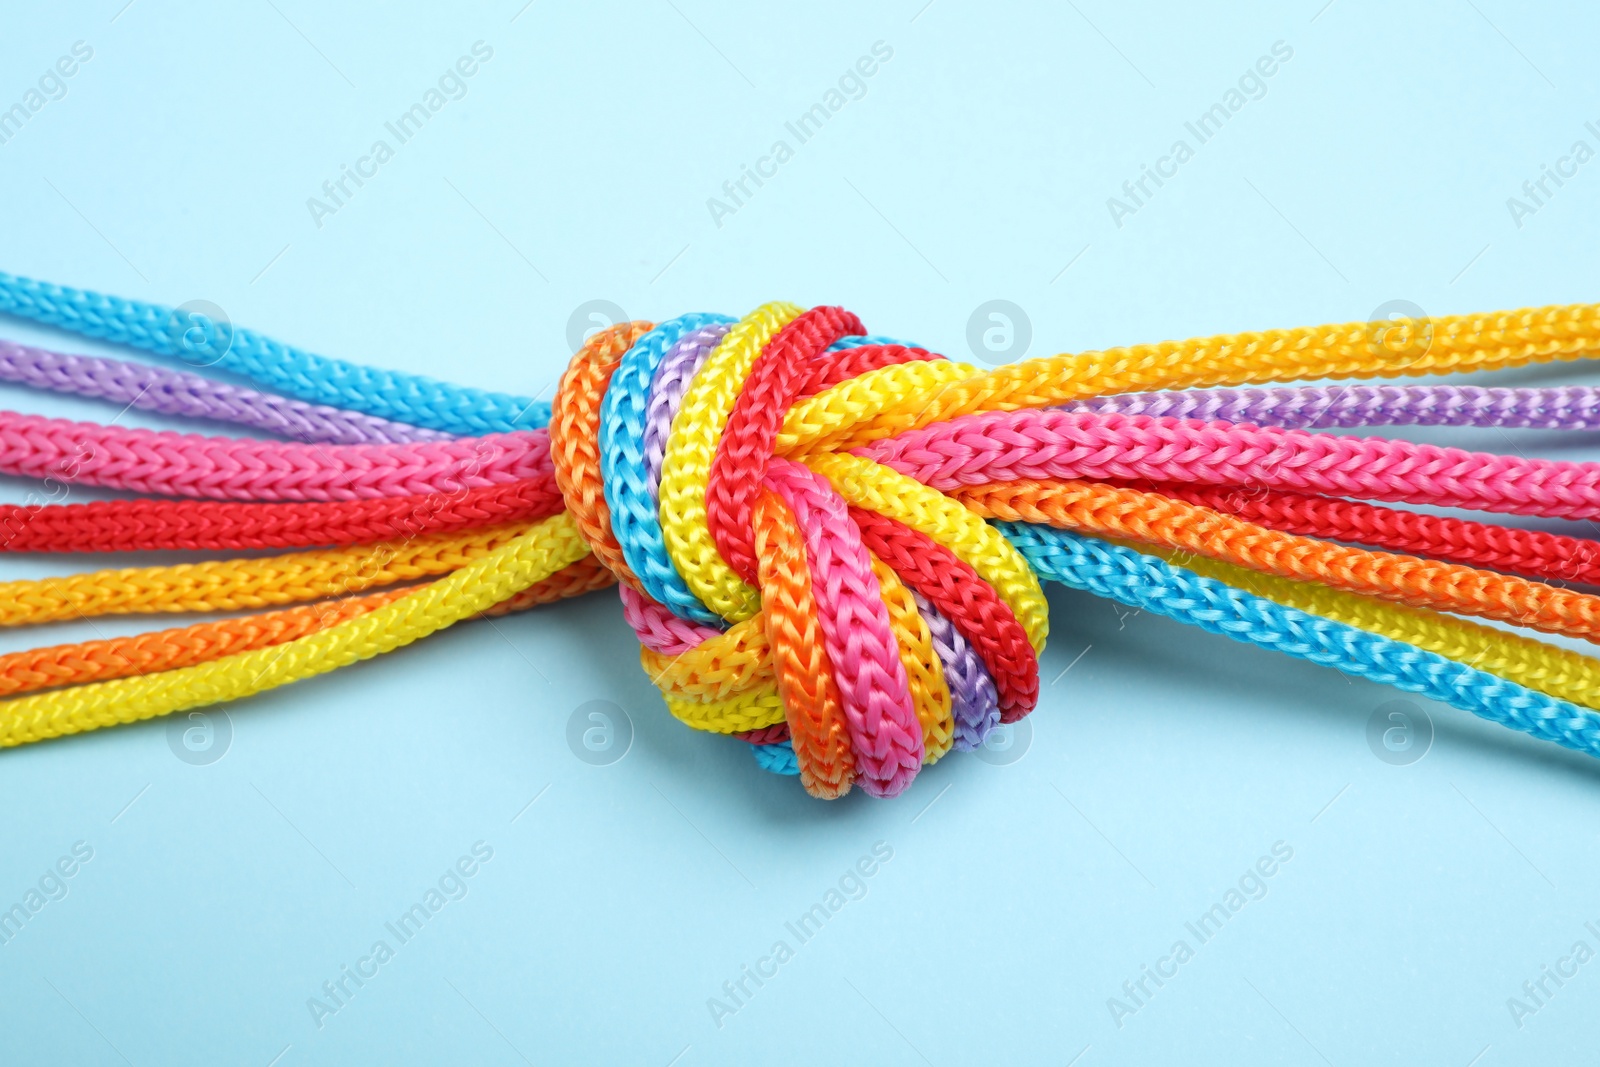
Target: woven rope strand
x: 144, y: 525
x: 1046, y: 445
x: 857, y: 413
x: 163, y: 650
x: 1530, y: 663
x: 1150, y: 518
x: 1569, y: 407
x: 511, y: 567
x: 1150, y: 584
x: 173, y: 464
x: 233, y: 585
x: 1529, y: 553
x: 392, y: 395
x: 879, y: 575
x: 170, y: 392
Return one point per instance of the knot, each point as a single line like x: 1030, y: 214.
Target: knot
x: 785, y: 591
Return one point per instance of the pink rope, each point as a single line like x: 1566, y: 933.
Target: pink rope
x: 884, y: 732
x: 1014, y: 445
x: 659, y: 629
x: 224, y: 468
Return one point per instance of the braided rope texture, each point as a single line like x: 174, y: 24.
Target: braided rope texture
x: 171, y: 332
x: 829, y: 544
x: 1571, y: 407
x: 144, y: 525
x: 171, y: 392
x: 173, y: 464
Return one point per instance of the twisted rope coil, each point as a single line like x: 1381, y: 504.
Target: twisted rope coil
x: 796, y: 512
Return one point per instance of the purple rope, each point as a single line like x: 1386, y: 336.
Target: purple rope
x: 171, y: 392
x: 672, y: 377
x: 1573, y: 407
x: 974, y: 704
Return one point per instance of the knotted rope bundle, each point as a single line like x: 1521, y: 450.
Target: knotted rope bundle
x: 830, y: 545
x: 856, y: 596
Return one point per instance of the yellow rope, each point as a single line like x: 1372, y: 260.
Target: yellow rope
x: 231, y: 585
x: 1528, y: 662
x: 895, y: 399
x: 503, y: 572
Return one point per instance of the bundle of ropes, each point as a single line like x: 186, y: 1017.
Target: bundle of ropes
x: 830, y: 545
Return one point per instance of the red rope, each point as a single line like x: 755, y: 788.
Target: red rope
x: 971, y: 604
x: 1528, y: 553
x: 141, y: 525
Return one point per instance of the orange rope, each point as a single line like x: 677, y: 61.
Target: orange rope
x: 1135, y: 515
x: 162, y: 650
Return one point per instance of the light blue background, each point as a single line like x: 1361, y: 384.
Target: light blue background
x: 977, y: 166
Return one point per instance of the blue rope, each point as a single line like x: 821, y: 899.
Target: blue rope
x: 778, y: 758
x: 1150, y: 584
x: 411, y: 398
x: 635, y: 514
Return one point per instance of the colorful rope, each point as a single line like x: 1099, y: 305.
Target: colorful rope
x: 513, y: 566
x: 1148, y: 518
x: 233, y: 585
x: 189, y: 335
x: 1044, y: 445
x: 1535, y: 554
x: 796, y: 513
x: 170, y: 392
x: 174, y: 464
x: 162, y: 650
x: 1150, y: 584
x: 1572, y: 407
x: 143, y: 525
